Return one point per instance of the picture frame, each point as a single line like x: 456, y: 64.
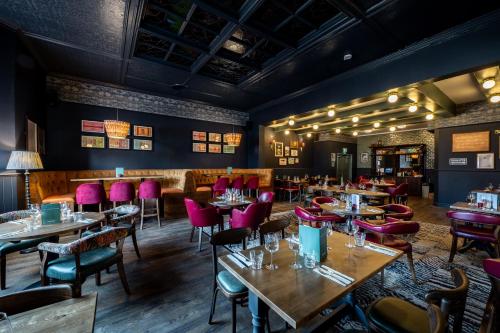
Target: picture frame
x: 90, y: 141
x: 294, y: 152
x: 199, y: 147
x: 486, y: 161
x: 141, y: 144
x: 278, y: 149
x: 294, y: 144
x: 470, y: 142
x: 123, y: 144
x: 282, y: 161
x: 224, y: 137
x: 296, y: 160
x: 144, y: 131
x: 287, y: 151
x: 333, y: 158
x: 228, y: 149
x: 214, y: 148
x: 291, y: 160
x: 92, y: 126
x: 365, y: 157
x: 199, y: 136
x: 214, y: 137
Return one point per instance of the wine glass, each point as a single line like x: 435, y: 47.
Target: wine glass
x: 294, y: 245
x: 5, y: 325
x: 272, y: 245
x: 349, y: 229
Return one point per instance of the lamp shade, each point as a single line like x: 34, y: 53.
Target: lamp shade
x: 24, y: 160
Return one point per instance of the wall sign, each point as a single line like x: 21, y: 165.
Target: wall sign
x: 486, y: 161
x: 457, y: 161
x: 471, y: 142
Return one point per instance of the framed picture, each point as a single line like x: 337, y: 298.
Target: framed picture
x: 145, y: 131
x: 140, y: 144
x: 282, y: 161
x: 199, y: 147
x: 470, y: 142
x: 287, y: 151
x: 364, y: 157
x: 228, y: 149
x: 89, y: 141
x: 294, y: 144
x: 294, y: 152
x: 278, y: 149
x: 214, y: 137
x: 291, y: 160
x: 296, y: 160
x: 199, y: 136
x: 486, y: 161
x: 214, y: 148
x: 91, y: 126
x: 118, y: 143
x: 333, y: 158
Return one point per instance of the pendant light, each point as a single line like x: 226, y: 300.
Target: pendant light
x: 117, y: 129
x: 233, y: 139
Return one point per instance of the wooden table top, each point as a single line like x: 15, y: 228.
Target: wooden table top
x: 18, y: 230
x: 382, y: 184
x: 76, y: 315
x: 337, y: 189
x: 465, y: 206
x: 230, y: 204
x: 361, y: 211
x: 298, y: 296
x: 100, y: 179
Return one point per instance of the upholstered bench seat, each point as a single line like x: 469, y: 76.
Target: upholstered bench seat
x: 229, y: 283
x: 11, y: 247
x: 392, y: 314
x: 56, y: 198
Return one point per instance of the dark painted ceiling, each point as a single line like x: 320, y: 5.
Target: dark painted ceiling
x: 231, y: 53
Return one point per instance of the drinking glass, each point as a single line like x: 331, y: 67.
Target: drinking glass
x: 5, y: 326
x: 349, y: 229
x: 310, y: 259
x: 359, y: 238
x: 272, y: 245
x: 256, y: 258
x: 294, y: 245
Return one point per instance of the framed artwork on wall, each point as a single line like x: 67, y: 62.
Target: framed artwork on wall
x: 199, y: 147
x: 92, y: 126
x: 118, y: 143
x: 145, y: 131
x: 364, y: 157
x: 199, y: 136
x: 278, y: 149
x: 333, y: 158
x: 470, y: 142
x: 287, y: 151
x: 140, y: 144
x: 296, y: 160
x: 282, y: 161
x: 294, y: 144
x: 486, y: 161
x: 228, y: 149
x: 291, y: 160
x: 294, y: 152
x: 214, y: 148
x: 89, y: 141
x: 214, y: 137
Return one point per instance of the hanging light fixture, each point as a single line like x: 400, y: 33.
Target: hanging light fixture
x: 117, y: 129
x: 392, y: 97
x: 233, y: 139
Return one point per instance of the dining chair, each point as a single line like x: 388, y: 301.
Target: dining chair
x: 278, y: 187
x: 84, y: 257
x: 386, y: 234
x: 220, y: 186
x: 252, y: 185
x: 291, y: 188
x: 90, y: 194
x: 400, y: 212
x: 273, y: 226
x: 476, y: 228
x: 224, y: 281
x: 11, y: 247
x: 121, y: 192
x: 252, y: 217
x: 238, y: 183
x: 150, y: 190
x: 398, y: 194
x: 491, y: 317
x: 318, y: 201
x: 313, y: 217
x: 267, y: 197
x: 200, y: 218
x: 391, y: 314
x: 26, y: 300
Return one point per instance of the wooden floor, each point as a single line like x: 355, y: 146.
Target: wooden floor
x: 171, y: 284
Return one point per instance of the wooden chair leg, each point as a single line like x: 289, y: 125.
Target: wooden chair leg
x: 142, y: 213
x: 98, y: 278
x: 123, y: 277
x: 453, y: 250
x: 233, y: 315
x: 80, y: 208
x: 134, y: 241
x: 100, y: 207
x: 212, y: 308
x: 412, y: 266
x: 77, y: 289
x: 158, y: 212
x: 382, y: 277
x: 3, y: 273
x: 200, y: 232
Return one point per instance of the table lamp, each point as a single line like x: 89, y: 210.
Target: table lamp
x: 25, y: 160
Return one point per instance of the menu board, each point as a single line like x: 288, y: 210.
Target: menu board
x: 470, y: 142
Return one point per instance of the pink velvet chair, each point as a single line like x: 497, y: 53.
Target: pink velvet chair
x: 150, y: 190
x: 238, y: 183
x: 312, y: 215
x: 202, y: 217
x: 121, y: 192
x: 398, y: 194
x: 90, y: 194
x: 253, y: 185
x: 400, y: 212
x: 491, y: 318
x: 220, y: 186
x: 252, y: 217
x: 267, y: 197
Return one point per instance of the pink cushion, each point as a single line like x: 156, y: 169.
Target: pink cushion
x: 90, y: 194
x: 122, y: 191
x: 149, y: 189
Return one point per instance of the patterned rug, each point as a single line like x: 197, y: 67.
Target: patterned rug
x: 431, y: 249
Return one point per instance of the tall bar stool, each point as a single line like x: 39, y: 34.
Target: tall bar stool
x: 220, y: 186
x: 238, y: 183
x: 121, y: 192
x: 253, y: 185
x: 150, y: 189
x: 90, y: 194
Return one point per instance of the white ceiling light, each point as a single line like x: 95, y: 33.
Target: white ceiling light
x: 376, y: 125
x: 309, y: 135
x: 315, y: 126
x: 495, y: 98
x: 287, y: 132
x: 355, y: 119
x: 392, y: 97
x: 392, y: 118
x: 401, y: 126
x: 337, y: 130
x: 489, y: 83
x: 413, y: 108
x: 291, y: 122
x: 355, y: 133
x: 331, y: 113
x: 368, y: 131
x: 392, y: 129
x: 429, y: 116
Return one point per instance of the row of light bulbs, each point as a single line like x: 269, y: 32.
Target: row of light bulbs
x: 489, y: 83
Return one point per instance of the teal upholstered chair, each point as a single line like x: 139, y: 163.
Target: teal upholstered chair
x: 11, y: 247
x: 84, y: 257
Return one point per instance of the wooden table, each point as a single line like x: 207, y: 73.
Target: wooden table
x: 361, y: 211
x: 466, y: 207
x: 299, y: 296
x: 18, y: 230
x: 381, y: 185
x: 230, y: 204
x: 76, y: 315
x: 364, y: 193
x: 103, y: 179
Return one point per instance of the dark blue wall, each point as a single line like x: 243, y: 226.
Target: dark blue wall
x: 172, y: 144
x: 454, y: 182
x: 322, y: 151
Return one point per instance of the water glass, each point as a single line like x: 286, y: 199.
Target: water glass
x: 256, y: 258
x: 78, y: 216
x: 294, y: 245
x: 5, y: 326
x: 310, y: 259
x: 359, y: 238
x: 272, y: 245
x: 349, y: 229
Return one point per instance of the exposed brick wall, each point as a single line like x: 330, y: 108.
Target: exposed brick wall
x: 470, y: 114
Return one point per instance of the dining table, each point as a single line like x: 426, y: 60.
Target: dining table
x: 362, y: 211
x: 464, y: 206
x: 299, y: 296
x: 75, y: 315
x: 220, y: 202
x: 338, y: 189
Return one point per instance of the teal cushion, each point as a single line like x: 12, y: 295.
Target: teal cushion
x: 10, y: 247
x: 394, y: 315
x: 64, y: 268
x: 229, y: 283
